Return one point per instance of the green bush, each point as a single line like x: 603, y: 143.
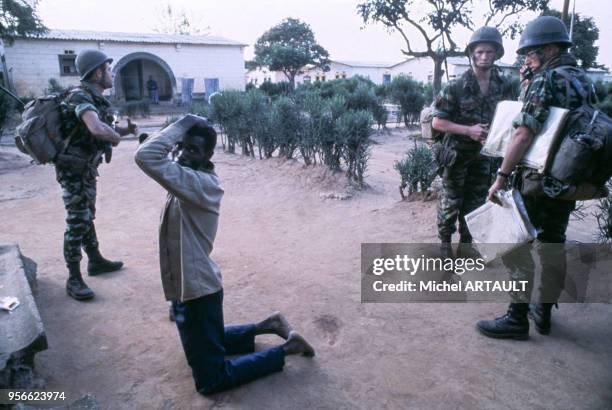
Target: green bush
x: 416, y: 169
x: 200, y: 109
x: 428, y: 93
x: 255, y: 124
x: 276, y: 89
x: 381, y: 115
x: 409, y: 95
x: 54, y: 87
x: 354, y: 129
x: 226, y: 108
x: 286, y: 124
x: 603, y: 214
x: 304, y: 123
x: 317, y: 126
x: 606, y: 105
x: 331, y: 146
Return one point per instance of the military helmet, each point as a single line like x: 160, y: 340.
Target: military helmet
x: 89, y: 60
x: 486, y: 35
x: 541, y: 31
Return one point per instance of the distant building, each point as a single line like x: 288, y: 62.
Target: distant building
x: 420, y: 69
x: 378, y: 72
x: 597, y: 74
x: 181, y: 65
x: 259, y: 76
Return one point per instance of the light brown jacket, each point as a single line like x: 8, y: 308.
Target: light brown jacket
x: 189, y: 220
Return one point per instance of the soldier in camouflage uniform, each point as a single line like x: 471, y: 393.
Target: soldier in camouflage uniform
x: 463, y: 111
x: 544, y: 42
x: 87, y: 120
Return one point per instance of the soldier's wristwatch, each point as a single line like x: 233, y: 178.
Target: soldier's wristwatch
x: 502, y: 174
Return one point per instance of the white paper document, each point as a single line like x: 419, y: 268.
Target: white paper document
x: 507, y: 225
x: 501, y: 131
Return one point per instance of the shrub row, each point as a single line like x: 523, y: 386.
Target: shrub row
x: 304, y: 125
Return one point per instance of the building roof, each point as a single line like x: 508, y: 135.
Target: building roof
x: 149, y: 38
x: 368, y: 64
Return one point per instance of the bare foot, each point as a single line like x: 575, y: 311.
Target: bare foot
x: 275, y: 324
x: 296, y: 344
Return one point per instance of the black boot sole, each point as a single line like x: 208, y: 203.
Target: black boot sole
x: 96, y: 272
x: 79, y: 298
x: 515, y: 336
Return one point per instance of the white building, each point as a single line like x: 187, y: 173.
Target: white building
x: 378, y: 72
x: 421, y: 69
x: 262, y: 75
x: 180, y: 64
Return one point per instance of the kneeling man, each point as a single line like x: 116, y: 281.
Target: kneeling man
x: 190, y: 278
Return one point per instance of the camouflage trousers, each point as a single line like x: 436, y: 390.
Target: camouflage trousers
x: 465, y: 184
x: 550, y: 218
x: 79, y: 196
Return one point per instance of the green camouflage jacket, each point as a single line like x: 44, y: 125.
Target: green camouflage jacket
x: 462, y: 102
x: 548, y: 88
x: 81, y: 99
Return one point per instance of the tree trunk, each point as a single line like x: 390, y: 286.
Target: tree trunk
x: 292, y: 80
x: 438, y: 73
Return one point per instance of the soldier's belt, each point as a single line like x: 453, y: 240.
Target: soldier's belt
x: 75, y: 162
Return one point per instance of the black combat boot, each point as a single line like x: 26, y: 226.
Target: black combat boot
x: 540, y: 314
x: 466, y: 249
x: 98, y: 264
x: 75, y: 286
x: 513, y: 325
x: 446, y: 248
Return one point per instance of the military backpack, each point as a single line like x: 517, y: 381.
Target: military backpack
x: 428, y: 132
x: 39, y: 135
x: 582, y: 160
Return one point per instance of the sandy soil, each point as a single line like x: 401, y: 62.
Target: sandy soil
x: 285, y: 244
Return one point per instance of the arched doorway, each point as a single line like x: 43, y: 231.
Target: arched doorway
x: 132, y: 72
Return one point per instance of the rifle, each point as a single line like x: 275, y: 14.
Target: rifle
x: 12, y: 95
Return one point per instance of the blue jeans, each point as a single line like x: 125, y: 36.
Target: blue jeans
x: 154, y: 96
x: 206, y: 342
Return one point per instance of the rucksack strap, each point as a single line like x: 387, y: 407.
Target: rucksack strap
x: 66, y: 141
x: 571, y: 81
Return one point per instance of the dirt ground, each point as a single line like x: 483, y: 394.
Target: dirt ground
x: 286, y: 242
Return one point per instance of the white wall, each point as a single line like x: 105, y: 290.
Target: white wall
x: 420, y: 69
x: 260, y: 75
x: 32, y: 62
x: 337, y: 70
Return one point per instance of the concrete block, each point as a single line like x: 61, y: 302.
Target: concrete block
x: 22, y: 332
x: 87, y: 402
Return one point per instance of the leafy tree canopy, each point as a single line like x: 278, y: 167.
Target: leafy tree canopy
x: 288, y: 47
x: 18, y: 18
x: 435, y: 22
x: 174, y: 21
x: 584, y: 36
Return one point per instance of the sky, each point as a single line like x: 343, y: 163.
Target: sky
x: 336, y: 24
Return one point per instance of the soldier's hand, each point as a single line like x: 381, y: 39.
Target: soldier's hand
x: 131, y: 127
x: 478, y: 132
x: 495, y: 188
